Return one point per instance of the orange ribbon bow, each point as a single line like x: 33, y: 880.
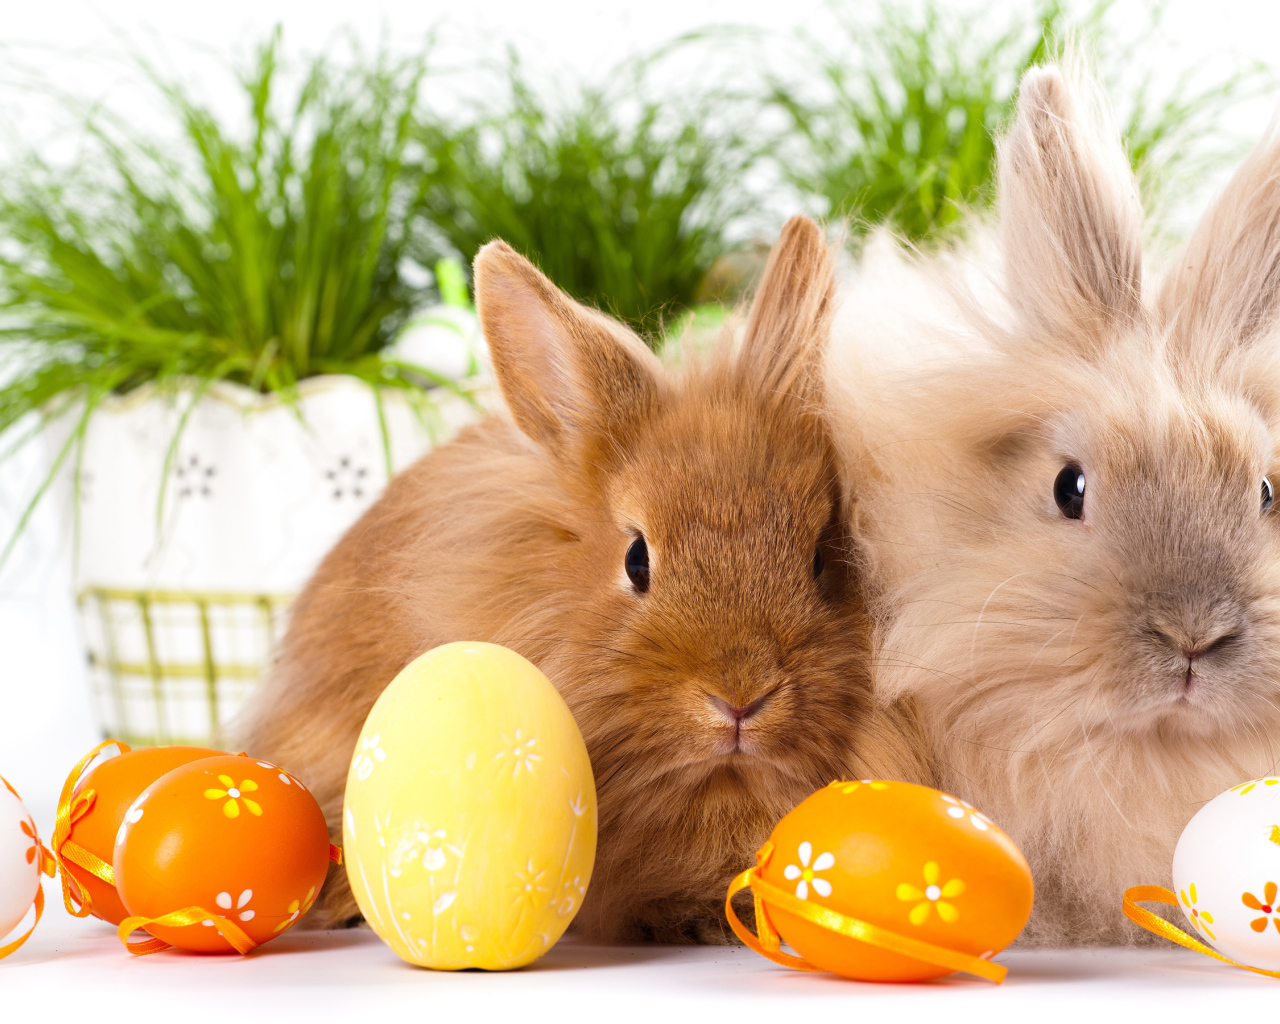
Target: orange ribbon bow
x: 769, y: 944
x: 75, y: 897
x: 46, y: 865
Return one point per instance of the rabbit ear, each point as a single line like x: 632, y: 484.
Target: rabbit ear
x: 570, y: 376
x: 1226, y: 290
x: 782, y: 350
x: 1070, y: 216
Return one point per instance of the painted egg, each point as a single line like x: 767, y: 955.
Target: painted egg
x: 1226, y: 873
x: 20, y: 861
x: 906, y: 858
x: 116, y: 783
x: 237, y: 838
x: 469, y: 828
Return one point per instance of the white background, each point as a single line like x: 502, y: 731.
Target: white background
x: 44, y: 721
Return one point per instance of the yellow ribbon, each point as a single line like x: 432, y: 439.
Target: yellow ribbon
x: 1142, y: 916
x: 229, y: 930
x: 75, y: 897
x: 47, y: 866
x: 768, y: 943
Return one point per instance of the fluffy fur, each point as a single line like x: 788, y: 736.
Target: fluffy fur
x: 1090, y: 682
x: 516, y: 532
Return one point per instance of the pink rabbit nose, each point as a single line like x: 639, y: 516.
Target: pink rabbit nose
x: 738, y: 714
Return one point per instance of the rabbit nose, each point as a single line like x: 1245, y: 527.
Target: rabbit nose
x: 738, y: 714
x: 1192, y: 648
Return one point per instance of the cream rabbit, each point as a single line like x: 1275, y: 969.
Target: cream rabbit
x: 1066, y: 494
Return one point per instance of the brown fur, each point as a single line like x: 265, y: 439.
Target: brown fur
x: 1047, y: 653
x: 515, y: 533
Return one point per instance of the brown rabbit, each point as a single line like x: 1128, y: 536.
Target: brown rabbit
x: 1069, y: 504
x: 669, y: 550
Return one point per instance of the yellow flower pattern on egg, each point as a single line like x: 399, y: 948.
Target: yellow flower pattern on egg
x: 1200, y: 919
x: 234, y: 796
x: 296, y: 909
x: 932, y: 895
x: 849, y: 787
x: 1252, y: 784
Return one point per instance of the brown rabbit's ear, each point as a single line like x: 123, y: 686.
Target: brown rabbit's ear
x: 1070, y: 216
x: 782, y: 350
x: 1226, y: 290
x: 571, y: 377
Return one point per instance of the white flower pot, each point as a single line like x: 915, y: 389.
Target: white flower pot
x: 182, y: 593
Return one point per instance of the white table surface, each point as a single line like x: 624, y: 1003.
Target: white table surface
x: 79, y: 969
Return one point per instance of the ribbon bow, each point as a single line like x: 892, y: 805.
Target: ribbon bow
x: 75, y: 897
x: 768, y: 944
x: 47, y: 866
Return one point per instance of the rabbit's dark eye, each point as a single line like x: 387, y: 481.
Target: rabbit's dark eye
x: 637, y: 563
x: 1068, y: 491
x: 1268, y: 495
x: 817, y: 562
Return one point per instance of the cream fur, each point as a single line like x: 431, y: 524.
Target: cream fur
x: 1048, y: 654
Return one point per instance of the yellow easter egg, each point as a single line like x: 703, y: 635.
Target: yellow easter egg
x: 469, y: 825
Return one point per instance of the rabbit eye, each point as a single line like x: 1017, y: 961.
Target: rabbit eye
x: 637, y: 563
x: 1068, y: 491
x: 817, y: 562
x: 1268, y: 495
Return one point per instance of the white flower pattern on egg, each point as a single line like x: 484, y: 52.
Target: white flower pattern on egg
x: 424, y: 845
x: 370, y: 751
x: 521, y: 752
x: 808, y: 875
x: 240, y: 906
x: 958, y: 809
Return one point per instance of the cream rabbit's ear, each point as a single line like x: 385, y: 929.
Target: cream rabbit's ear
x: 782, y: 349
x: 570, y: 376
x: 1071, y: 219
x: 1226, y: 290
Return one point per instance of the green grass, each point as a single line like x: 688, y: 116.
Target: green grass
x: 622, y: 197
x: 895, y: 123
x: 261, y: 259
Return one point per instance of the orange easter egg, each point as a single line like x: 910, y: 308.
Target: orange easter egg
x: 908, y: 859
x: 116, y: 784
x: 236, y: 838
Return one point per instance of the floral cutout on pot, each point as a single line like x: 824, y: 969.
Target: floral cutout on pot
x: 195, y: 477
x: 807, y: 874
x: 348, y: 480
x: 932, y: 895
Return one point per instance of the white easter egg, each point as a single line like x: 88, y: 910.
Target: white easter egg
x: 1226, y: 871
x: 19, y: 861
x: 469, y: 826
